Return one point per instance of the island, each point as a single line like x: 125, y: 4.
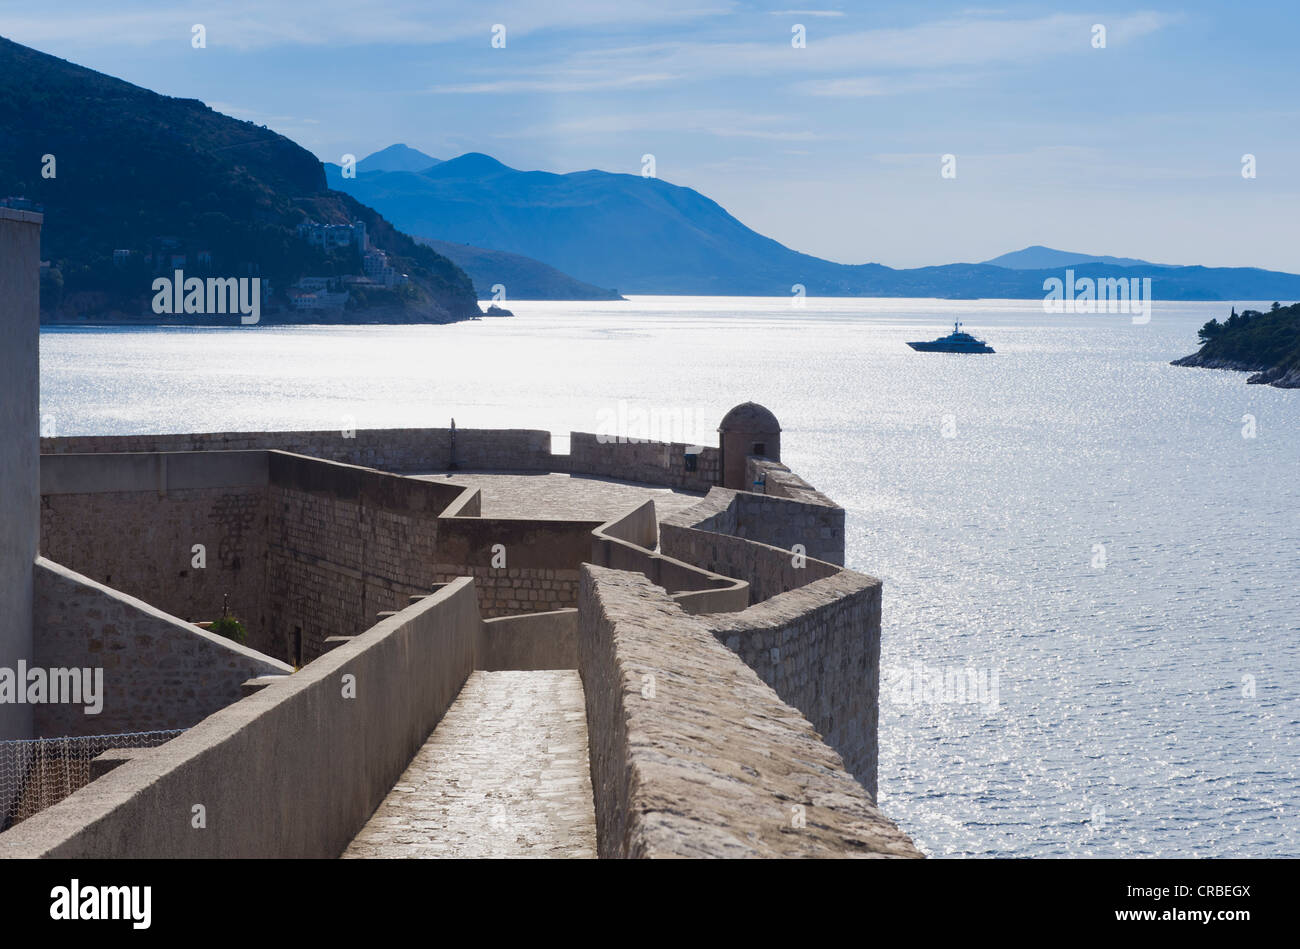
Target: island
x: 1266, y: 344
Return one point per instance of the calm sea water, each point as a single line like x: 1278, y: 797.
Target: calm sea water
x: 1071, y: 519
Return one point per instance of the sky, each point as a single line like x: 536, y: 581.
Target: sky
x: 834, y: 148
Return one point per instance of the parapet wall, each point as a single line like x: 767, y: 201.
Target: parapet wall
x: 812, y: 629
x: 779, y: 481
x: 389, y: 449
x: 767, y: 570
x: 818, y: 646
x: 770, y: 519
x: 692, y: 755
x: 519, y: 566
x: 345, y: 543
x: 159, y: 673
x: 629, y: 542
x: 293, y: 771
x: 529, y: 641
x: 662, y: 463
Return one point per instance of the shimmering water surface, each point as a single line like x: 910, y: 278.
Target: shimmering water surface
x: 1071, y: 514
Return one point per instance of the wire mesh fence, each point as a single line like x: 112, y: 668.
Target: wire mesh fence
x: 39, y: 772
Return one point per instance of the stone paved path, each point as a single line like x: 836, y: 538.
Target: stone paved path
x: 556, y: 494
x: 505, y: 774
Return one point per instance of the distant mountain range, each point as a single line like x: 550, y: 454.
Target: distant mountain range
x: 149, y: 184
x: 140, y: 185
x: 644, y: 235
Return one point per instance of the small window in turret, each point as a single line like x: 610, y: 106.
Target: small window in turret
x: 760, y: 448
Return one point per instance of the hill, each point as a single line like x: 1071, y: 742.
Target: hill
x: 397, y: 158
x: 1267, y: 344
x: 1038, y: 257
x: 141, y: 185
x: 644, y: 235
x: 522, y: 277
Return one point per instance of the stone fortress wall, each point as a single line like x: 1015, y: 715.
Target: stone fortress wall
x: 389, y: 449
x: 677, y: 766
x: 691, y: 754
x: 345, y: 545
x: 131, y: 522
x: 159, y: 672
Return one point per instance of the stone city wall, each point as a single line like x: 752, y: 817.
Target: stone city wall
x: 345, y: 543
x: 429, y: 449
x: 818, y: 646
x: 692, y: 755
x: 389, y: 449
x: 541, y: 559
x: 292, y: 771
x: 775, y: 521
x: 768, y: 570
x: 628, y: 542
x: 779, y: 481
x: 159, y: 673
x: 305, y: 549
x: 528, y: 642
x: 661, y: 463
x: 812, y: 631
x: 131, y: 522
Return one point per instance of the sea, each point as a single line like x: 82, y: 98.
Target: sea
x: 1090, y: 558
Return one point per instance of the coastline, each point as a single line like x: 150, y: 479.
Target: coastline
x: 1277, y: 376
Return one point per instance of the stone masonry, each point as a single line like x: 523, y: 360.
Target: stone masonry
x: 693, y: 755
x: 159, y: 673
x: 503, y: 775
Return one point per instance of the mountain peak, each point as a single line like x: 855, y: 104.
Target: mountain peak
x: 1038, y: 257
x: 472, y: 165
x: 398, y: 157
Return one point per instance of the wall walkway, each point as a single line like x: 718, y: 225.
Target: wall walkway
x: 503, y: 775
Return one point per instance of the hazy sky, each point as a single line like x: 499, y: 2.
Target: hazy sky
x: 834, y: 149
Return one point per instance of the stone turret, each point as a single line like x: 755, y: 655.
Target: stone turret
x: 748, y: 429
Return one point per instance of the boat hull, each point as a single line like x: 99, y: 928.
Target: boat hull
x: 939, y: 347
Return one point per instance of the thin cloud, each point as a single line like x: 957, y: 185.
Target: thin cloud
x: 947, y: 45
x: 541, y: 85
x: 260, y: 24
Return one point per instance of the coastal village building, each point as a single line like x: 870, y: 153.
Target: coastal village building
x: 335, y: 236
x: 458, y: 641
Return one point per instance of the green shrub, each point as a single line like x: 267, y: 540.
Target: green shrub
x: 231, y: 628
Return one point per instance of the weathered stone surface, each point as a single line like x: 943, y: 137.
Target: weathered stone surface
x: 389, y: 449
x: 293, y: 771
x: 142, y: 543
x: 645, y: 461
x: 693, y: 755
x: 159, y: 673
x: 818, y: 646
x: 503, y: 775
x: 563, y: 495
